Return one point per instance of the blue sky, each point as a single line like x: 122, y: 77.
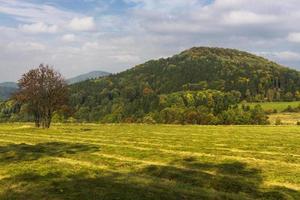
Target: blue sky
x: 78, y: 36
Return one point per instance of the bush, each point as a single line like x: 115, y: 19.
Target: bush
x: 278, y: 121
x: 71, y: 120
x: 298, y: 123
x: 258, y: 116
x: 149, y: 120
x: 291, y: 109
x: 269, y: 111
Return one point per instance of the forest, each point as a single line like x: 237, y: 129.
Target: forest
x: 197, y: 86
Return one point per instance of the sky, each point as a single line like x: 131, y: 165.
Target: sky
x: 79, y: 36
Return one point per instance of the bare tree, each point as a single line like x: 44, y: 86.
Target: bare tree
x: 45, y: 91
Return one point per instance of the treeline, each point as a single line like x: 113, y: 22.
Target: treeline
x: 205, y: 107
x: 186, y: 107
x: 208, y: 107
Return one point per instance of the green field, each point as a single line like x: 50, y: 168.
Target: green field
x: 285, y: 118
x: 279, y: 106
x: 136, y: 162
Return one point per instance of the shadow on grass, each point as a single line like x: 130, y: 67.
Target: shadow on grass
x: 192, y: 180
x: 25, y: 152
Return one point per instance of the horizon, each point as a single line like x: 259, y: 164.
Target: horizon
x: 113, y: 36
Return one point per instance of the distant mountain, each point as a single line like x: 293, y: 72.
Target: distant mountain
x: 9, y: 84
x: 87, y: 76
x: 6, y: 89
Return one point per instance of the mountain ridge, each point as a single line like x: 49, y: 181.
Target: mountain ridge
x: 86, y: 76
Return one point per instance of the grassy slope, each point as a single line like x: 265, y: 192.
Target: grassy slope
x: 149, y: 162
x: 279, y: 106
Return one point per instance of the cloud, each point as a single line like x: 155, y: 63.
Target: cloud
x: 247, y: 18
x: 121, y: 35
x: 82, y: 24
x: 69, y: 38
x: 34, y: 13
x: 39, y: 27
x: 294, y: 37
x: 164, y: 5
x: 288, y: 56
x: 26, y: 46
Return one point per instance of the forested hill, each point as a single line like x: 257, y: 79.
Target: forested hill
x: 205, y: 68
x: 198, y: 86
x: 196, y: 81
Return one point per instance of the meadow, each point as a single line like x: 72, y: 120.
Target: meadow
x: 134, y: 162
x: 285, y: 118
x: 279, y: 106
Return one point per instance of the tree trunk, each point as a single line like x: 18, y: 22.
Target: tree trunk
x: 37, y: 120
x: 47, y: 119
x: 37, y: 124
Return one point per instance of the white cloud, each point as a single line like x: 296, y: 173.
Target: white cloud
x: 247, y: 18
x: 26, y: 46
x: 39, y: 27
x: 68, y: 38
x: 164, y: 5
x: 82, y: 24
x: 90, y: 46
x: 126, y: 58
x: 282, y: 56
x: 294, y: 37
x: 147, y: 29
x: 288, y: 55
x: 34, y: 13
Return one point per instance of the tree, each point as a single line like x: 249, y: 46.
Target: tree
x: 270, y: 94
x: 288, y: 96
x: 45, y: 91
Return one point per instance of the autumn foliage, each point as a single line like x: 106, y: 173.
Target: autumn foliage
x: 44, y: 91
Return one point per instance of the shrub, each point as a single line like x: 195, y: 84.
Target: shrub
x: 71, y: 120
x: 149, y: 120
x: 289, y: 109
x: 278, y: 121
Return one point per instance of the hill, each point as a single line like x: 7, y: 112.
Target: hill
x: 9, y: 84
x: 90, y: 75
x: 6, y: 89
x: 143, y: 90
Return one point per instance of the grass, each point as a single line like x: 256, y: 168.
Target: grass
x: 285, y: 118
x: 279, y: 106
x: 149, y: 162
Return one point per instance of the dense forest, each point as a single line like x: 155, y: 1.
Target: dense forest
x: 198, y: 86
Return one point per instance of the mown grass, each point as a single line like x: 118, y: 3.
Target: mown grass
x: 149, y: 162
x: 279, y: 106
x: 285, y: 118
